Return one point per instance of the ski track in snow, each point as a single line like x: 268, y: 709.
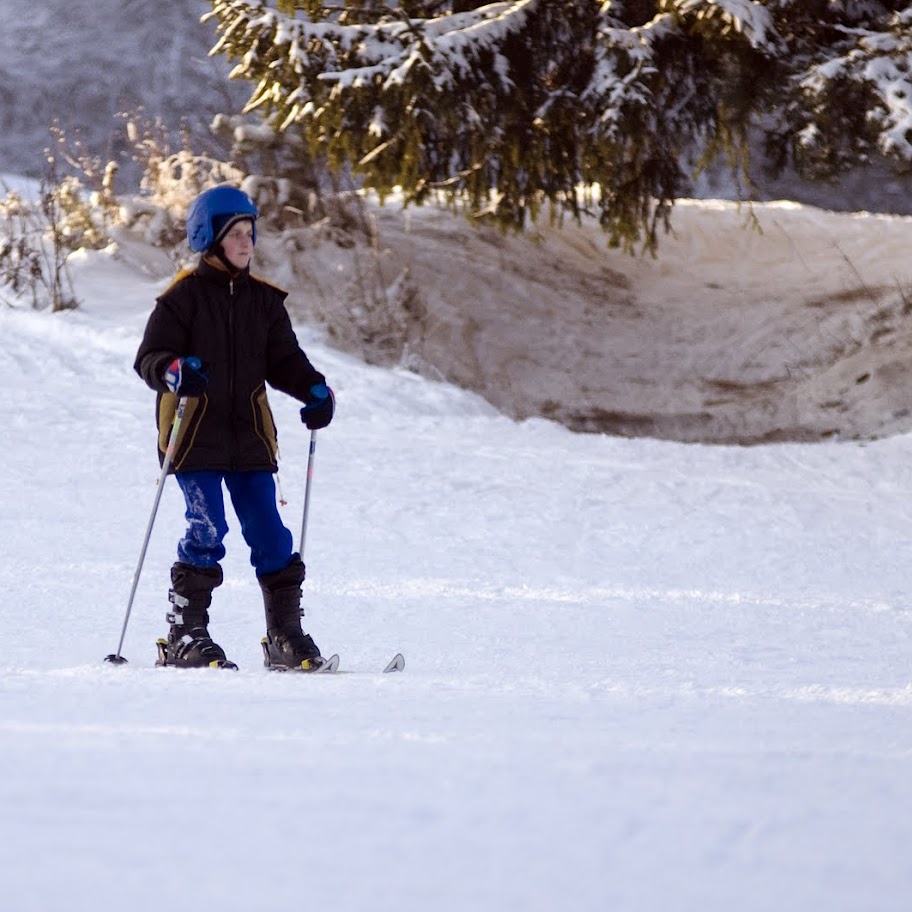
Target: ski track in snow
x: 640, y: 675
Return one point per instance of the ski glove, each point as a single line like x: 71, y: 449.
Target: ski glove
x: 318, y: 411
x: 184, y: 377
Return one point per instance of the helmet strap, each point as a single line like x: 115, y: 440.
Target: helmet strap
x: 217, y: 252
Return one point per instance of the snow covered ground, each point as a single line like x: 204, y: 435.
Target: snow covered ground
x: 641, y: 675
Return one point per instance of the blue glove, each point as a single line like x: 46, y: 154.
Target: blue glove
x: 184, y: 377
x: 318, y: 411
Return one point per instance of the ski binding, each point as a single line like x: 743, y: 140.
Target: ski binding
x: 162, y: 660
x: 316, y: 665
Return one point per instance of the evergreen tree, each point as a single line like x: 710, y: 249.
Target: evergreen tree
x: 850, y: 92
x: 509, y: 106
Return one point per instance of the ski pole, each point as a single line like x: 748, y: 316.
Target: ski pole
x: 310, y: 471
x: 116, y: 658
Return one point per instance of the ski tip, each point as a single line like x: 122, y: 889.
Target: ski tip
x: 115, y: 659
x: 320, y: 665
x: 397, y: 663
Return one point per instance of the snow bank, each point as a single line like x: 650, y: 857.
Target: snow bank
x: 770, y: 322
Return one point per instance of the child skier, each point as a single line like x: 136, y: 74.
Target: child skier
x: 218, y: 335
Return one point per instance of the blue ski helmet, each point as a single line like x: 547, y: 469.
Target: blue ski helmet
x: 217, y: 205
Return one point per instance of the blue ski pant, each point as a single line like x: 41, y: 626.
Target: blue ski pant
x: 253, y: 497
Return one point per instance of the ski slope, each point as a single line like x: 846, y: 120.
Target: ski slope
x: 641, y: 675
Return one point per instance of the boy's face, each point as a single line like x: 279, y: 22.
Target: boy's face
x: 238, y: 244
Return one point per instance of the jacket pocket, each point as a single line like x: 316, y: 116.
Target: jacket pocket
x: 264, y: 423
x: 193, y: 415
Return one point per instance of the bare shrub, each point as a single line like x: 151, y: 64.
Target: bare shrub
x: 171, y: 179
x: 37, y: 235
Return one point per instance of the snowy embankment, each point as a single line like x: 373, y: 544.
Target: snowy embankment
x: 775, y: 322
x: 642, y: 675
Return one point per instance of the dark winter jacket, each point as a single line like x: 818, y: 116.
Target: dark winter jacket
x: 238, y: 326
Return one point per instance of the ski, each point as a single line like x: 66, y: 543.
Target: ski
x: 333, y: 663
x: 328, y: 665
x: 397, y: 663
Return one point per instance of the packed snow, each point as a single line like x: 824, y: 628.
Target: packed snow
x: 641, y: 675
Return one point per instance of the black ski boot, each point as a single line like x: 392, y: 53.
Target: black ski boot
x: 285, y: 645
x: 188, y: 644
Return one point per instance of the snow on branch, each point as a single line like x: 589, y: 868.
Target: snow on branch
x: 746, y: 17
x: 630, y: 60
x: 451, y: 45
x: 351, y: 56
x: 881, y: 61
x: 625, y: 57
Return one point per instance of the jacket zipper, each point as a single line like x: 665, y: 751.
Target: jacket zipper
x: 231, y: 371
